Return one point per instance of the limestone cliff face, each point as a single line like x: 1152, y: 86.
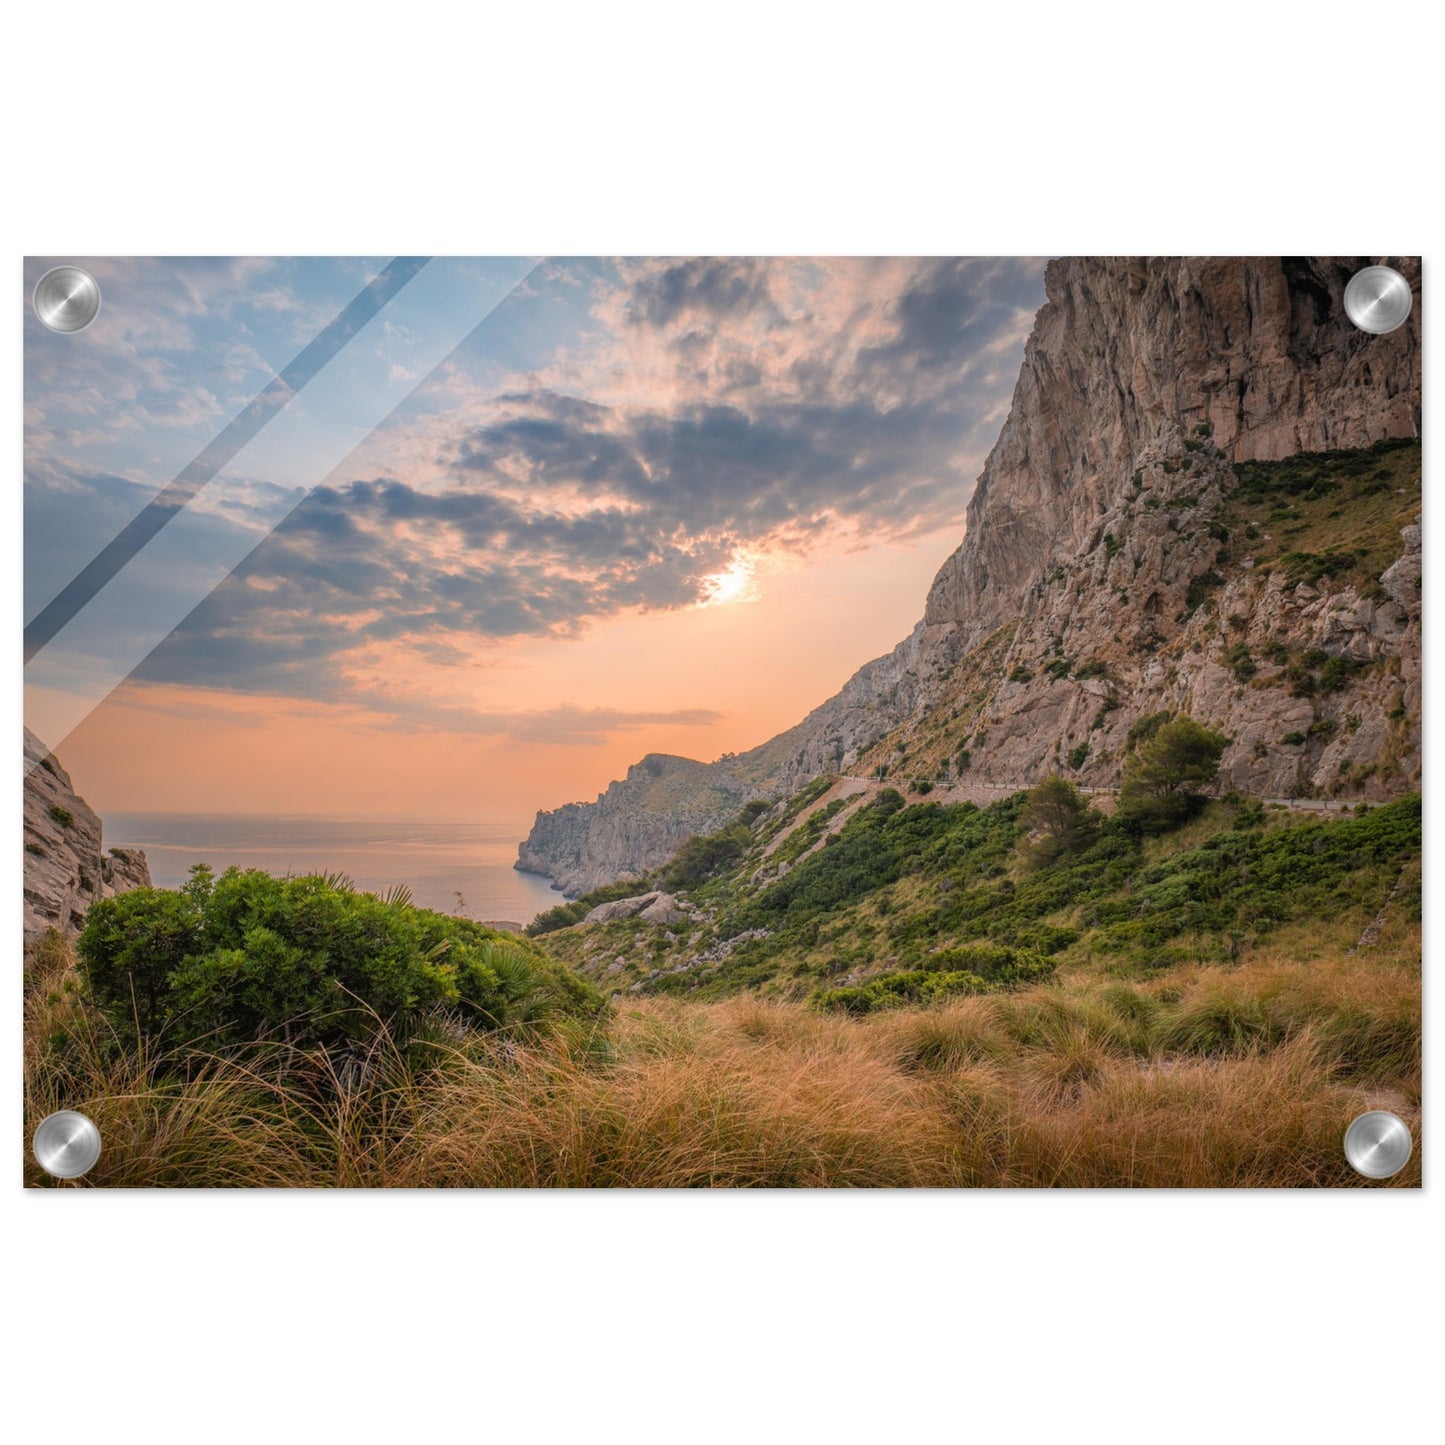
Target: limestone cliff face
x: 637, y: 824
x: 1108, y: 568
x: 1129, y: 353
x: 66, y: 866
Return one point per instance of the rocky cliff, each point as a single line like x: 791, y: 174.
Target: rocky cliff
x: 1204, y: 499
x: 66, y: 864
x: 639, y: 822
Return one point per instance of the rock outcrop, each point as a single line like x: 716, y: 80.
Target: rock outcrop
x: 67, y: 867
x: 655, y: 907
x: 1104, y: 572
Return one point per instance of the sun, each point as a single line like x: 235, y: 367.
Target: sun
x: 737, y: 584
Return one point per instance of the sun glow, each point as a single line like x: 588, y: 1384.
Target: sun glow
x: 737, y: 584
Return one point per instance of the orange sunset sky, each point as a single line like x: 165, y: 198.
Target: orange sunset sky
x: 651, y: 506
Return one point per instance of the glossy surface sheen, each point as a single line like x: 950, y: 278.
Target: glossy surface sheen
x: 1378, y: 300
x: 67, y: 299
x: 1378, y: 1144
x: 66, y: 1144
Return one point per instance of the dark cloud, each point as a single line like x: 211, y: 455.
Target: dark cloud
x: 954, y: 310
x: 702, y: 288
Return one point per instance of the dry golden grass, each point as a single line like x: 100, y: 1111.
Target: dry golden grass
x: 1201, y: 1077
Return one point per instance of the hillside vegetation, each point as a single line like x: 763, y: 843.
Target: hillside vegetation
x: 904, y: 887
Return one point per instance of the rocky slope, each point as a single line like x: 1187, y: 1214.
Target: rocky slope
x: 1139, y: 539
x: 66, y: 864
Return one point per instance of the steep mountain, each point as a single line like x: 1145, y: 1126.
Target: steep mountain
x: 67, y: 867
x: 1205, y: 498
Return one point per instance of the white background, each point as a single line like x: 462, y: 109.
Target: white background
x: 288, y: 128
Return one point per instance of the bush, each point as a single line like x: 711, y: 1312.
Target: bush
x: 701, y: 857
x: 1145, y: 727
x: 1057, y: 820
x: 957, y: 972
x: 234, y: 959
x: 63, y: 816
x: 1162, y: 779
x: 1201, y: 588
x: 1240, y: 661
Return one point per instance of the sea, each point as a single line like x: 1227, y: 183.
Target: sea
x: 461, y: 868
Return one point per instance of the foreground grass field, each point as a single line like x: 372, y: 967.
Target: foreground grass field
x: 1242, y: 1075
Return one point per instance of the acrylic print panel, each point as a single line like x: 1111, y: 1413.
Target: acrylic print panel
x: 817, y: 722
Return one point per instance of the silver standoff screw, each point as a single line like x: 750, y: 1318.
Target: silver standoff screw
x: 1378, y: 299
x: 67, y: 299
x: 66, y: 1144
x: 1378, y: 1144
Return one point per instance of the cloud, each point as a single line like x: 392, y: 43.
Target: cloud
x: 705, y: 289
x: 698, y: 412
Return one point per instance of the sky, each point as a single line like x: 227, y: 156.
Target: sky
x: 538, y: 518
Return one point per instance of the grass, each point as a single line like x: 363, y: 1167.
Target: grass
x: 1205, y: 1076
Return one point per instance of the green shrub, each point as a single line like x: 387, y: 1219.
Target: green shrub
x: 1201, y: 588
x: 956, y: 972
x: 1162, y: 779
x: 1240, y: 661
x: 232, y: 959
x: 701, y: 857
x: 1057, y: 821
x: 1020, y: 674
x: 1077, y: 755
x: 1337, y: 671
x: 1145, y: 727
x: 63, y: 816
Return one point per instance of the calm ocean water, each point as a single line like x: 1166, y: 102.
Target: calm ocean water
x: 435, y: 860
